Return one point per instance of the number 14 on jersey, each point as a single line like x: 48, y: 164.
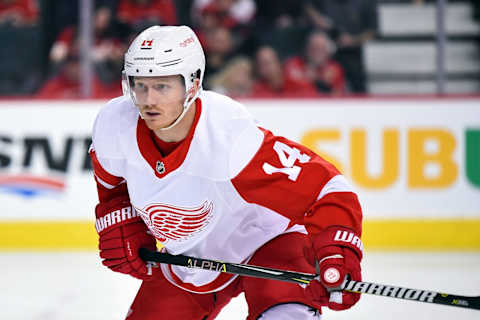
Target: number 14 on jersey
x: 287, y: 156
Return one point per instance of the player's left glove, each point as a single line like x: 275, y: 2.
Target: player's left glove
x: 337, y: 251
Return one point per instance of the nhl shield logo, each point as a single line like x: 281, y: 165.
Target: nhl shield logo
x: 160, y: 167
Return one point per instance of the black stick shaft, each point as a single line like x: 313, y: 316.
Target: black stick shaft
x: 305, y: 278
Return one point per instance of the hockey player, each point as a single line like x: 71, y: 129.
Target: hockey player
x: 192, y: 170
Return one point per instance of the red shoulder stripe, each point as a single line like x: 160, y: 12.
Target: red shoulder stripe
x: 101, y: 173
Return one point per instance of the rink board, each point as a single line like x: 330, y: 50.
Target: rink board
x: 414, y: 164
x: 388, y: 235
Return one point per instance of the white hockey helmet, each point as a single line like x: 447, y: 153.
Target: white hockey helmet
x: 165, y: 51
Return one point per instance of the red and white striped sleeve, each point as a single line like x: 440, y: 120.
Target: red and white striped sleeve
x: 107, y: 160
x: 109, y: 186
x: 293, y: 181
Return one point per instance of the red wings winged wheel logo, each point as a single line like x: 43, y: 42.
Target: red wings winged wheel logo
x: 168, y: 222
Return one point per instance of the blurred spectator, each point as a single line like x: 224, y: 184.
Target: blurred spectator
x: 62, y: 46
x: 108, y: 47
x: 18, y: 12
x: 352, y: 23
x: 138, y: 13
x: 236, y: 16
x: 317, y: 67
x: 229, y: 14
x: 235, y: 79
x: 219, y: 48
x: 57, y: 15
x: 272, y: 81
x: 67, y: 84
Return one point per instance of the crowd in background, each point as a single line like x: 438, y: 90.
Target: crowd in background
x: 254, y: 48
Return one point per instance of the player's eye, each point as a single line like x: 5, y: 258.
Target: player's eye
x: 140, y: 86
x: 161, y: 86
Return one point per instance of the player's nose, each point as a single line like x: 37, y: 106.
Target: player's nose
x: 150, y: 98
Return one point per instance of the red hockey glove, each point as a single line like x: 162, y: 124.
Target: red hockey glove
x: 122, y: 232
x: 338, y: 252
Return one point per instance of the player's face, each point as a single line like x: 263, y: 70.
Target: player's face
x: 159, y: 99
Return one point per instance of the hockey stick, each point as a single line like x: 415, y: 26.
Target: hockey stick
x: 305, y: 278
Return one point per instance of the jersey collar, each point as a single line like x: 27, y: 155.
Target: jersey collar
x: 160, y: 165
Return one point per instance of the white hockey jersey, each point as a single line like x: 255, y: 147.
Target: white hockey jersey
x: 226, y: 190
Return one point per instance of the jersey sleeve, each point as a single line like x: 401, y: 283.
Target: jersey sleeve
x: 293, y: 181
x: 109, y: 186
x: 107, y: 160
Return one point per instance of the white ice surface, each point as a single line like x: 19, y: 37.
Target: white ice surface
x: 71, y: 286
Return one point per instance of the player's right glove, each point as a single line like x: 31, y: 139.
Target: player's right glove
x: 122, y: 232
x: 337, y: 251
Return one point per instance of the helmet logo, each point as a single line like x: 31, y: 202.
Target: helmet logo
x: 187, y: 41
x: 146, y: 44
